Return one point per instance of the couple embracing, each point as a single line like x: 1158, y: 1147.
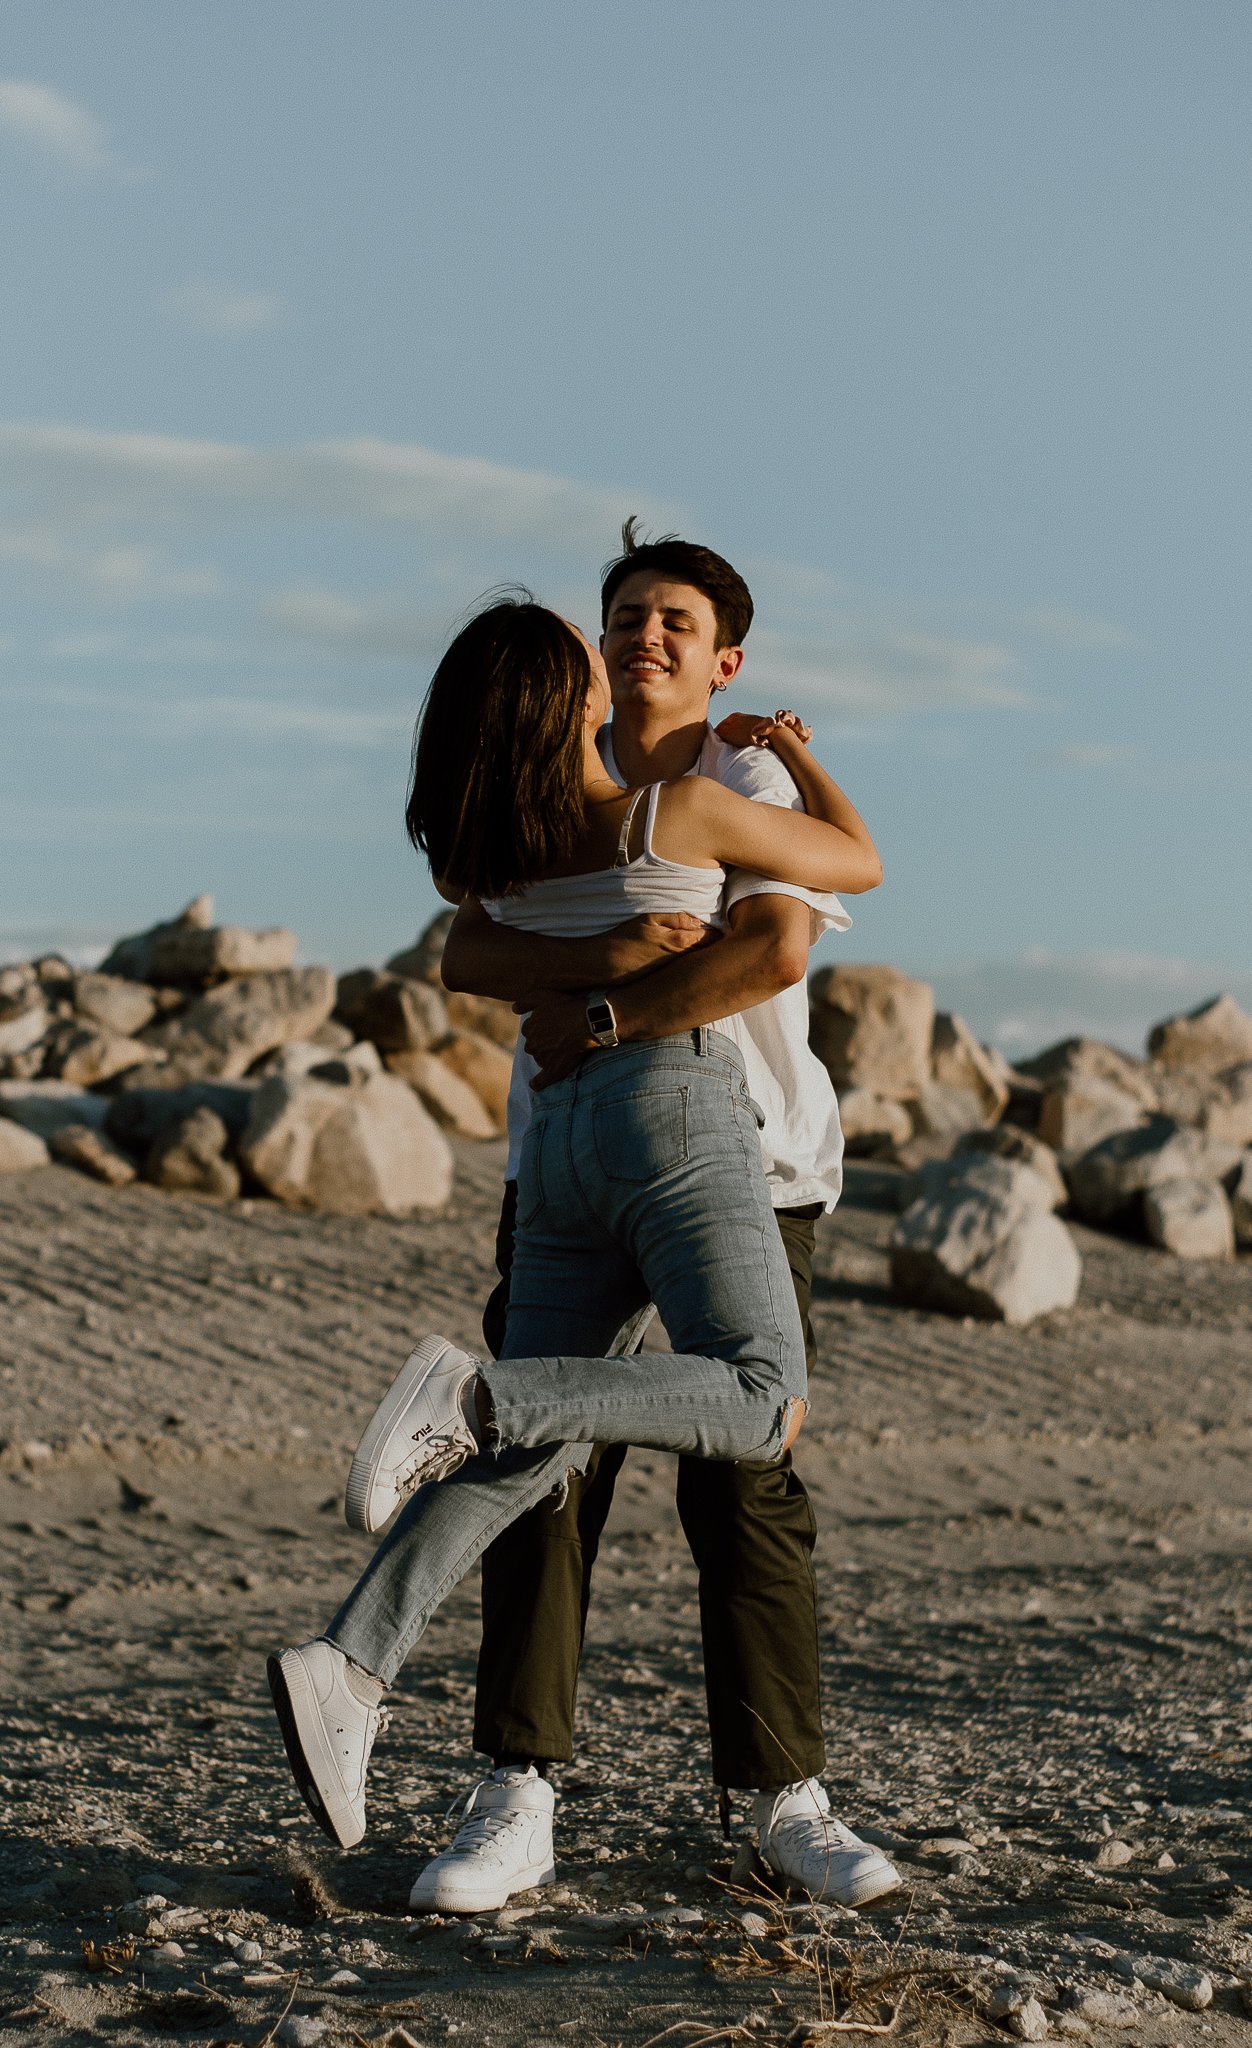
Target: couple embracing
x: 646, y: 887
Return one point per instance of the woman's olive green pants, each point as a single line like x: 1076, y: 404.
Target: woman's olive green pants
x: 751, y: 1532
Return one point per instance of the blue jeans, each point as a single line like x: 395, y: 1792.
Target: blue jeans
x: 640, y: 1182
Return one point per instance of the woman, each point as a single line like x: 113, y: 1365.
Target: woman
x: 641, y: 1177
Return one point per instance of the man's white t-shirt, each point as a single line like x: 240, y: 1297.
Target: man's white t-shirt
x: 801, y: 1141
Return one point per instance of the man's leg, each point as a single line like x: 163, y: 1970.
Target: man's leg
x: 751, y: 1532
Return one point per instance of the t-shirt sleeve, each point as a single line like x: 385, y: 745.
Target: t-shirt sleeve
x: 758, y: 774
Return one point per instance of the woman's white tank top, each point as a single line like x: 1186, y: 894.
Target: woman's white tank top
x: 577, y: 906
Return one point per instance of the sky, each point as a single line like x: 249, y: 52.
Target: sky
x: 932, y: 315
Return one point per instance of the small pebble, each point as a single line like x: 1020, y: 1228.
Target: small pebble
x: 1165, y: 1861
x: 301, y: 2030
x: 1101, y: 2008
x: 170, y: 1952
x: 1069, y: 2025
x: 945, y: 1845
x: 754, y: 1925
x: 340, y: 1979
x: 1027, y: 2022
x: 249, y: 1952
x: 1113, y: 1854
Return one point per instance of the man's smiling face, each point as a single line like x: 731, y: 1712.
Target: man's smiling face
x: 660, y: 646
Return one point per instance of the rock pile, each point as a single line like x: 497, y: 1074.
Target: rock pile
x: 1161, y: 1146
x: 200, y: 1058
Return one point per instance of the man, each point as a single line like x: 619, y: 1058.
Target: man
x: 674, y: 617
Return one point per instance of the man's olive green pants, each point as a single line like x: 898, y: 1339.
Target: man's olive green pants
x: 751, y: 1532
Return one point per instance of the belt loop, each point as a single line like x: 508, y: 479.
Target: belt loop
x: 701, y: 1036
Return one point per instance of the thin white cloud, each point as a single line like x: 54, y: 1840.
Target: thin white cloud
x: 181, y: 714
x: 127, y: 571
x: 81, y: 473
x: 1074, y: 630
x: 57, y: 129
x: 326, y: 619
x: 881, y: 673
x: 222, y: 309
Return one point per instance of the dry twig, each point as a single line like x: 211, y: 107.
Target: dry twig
x: 291, y: 1997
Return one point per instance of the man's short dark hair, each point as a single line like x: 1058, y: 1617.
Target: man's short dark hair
x: 683, y: 562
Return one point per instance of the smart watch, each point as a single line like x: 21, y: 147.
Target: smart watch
x: 601, y: 1023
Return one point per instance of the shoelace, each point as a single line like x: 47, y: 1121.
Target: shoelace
x: 438, y: 1457
x: 477, y: 1829
x: 804, y: 1824
x: 379, y: 1720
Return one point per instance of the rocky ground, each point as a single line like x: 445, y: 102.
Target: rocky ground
x: 1037, y: 1612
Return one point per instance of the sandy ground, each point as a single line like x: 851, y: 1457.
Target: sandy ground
x: 1037, y: 1617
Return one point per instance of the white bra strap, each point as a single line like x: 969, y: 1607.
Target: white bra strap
x: 649, y: 823
x: 623, y: 841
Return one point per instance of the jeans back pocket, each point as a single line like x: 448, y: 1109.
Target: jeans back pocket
x: 641, y: 1136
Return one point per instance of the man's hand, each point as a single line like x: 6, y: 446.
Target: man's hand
x: 647, y: 941
x: 555, y: 1034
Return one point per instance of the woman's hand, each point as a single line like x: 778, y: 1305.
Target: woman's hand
x: 750, y: 729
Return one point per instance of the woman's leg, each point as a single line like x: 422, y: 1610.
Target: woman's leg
x: 651, y: 1155
x: 442, y: 1530
x: 641, y: 1180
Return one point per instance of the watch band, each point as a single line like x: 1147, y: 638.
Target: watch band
x: 601, y: 1021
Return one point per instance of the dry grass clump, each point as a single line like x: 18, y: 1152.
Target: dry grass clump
x: 858, y: 1991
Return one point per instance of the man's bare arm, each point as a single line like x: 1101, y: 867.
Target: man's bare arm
x: 765, y: 950
x: 484, y: 958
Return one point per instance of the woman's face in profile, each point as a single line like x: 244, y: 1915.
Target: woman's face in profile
x: 599, y: 696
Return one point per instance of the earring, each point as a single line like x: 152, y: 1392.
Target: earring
x: 719, y: 686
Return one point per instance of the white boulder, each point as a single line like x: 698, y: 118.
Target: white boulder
x: 1080, y: 1109
x: 1190, y: 1217
x: 872, y: 1123
x: 20, y: 1149
x: 369, y: 1149
x: 92, y: 1152
x: 1007, y: 1141
x: 1108, y: 1183
x: 1218, y: 1034
x: 451, y: 1101
x: 191, y: 953
x: 872, y: 1027
x: 114, y: 1003
x: 958, y: 1061
x: 485, y: 1065
x: 223, y: 1032
x: 983, y: 1241
x: 22, y: 1024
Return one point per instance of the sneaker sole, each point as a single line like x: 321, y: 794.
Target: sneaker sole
x: 861, y: 1891
x: 450, y: 1898
x: 367, y: 1457
x: 301, y: 1726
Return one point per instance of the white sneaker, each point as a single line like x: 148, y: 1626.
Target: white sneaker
x: 419, y: 1431
x: 504, y: 1845
x: 329, y: 1711
x: 801, y: 1841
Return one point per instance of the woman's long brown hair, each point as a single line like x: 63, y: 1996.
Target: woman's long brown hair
x: 496, y: 793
